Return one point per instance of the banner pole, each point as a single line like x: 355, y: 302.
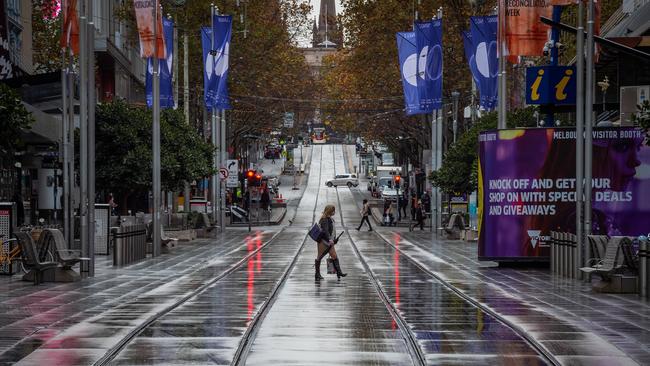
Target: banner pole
x: 580, y: 138
x: 71, y: 143
x: 224, y: 158
x: 83, y: 134
x: 91, y: 140
x: 215, y: 156
x: 64, y: 133
x: 589, y: 119
x: 186, y: 110
x: 502, y: 66
x: 157, y: 247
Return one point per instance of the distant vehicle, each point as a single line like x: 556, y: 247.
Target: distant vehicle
x: 388, y: 171
x: 384, y: 183
x: 318, y: 135
x: 349, y: 180
x: 389, y: 193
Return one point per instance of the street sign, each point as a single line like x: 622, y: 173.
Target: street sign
x: 555, y: 85
x: 223, y: 173
x: 288, y: 119
x: 233, y: 173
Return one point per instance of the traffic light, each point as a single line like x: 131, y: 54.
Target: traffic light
x: 254, y: 178
x: 398, y: 179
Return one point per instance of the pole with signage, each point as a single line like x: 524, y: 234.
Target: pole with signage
x: 83, y: 132
x: 91, y: 140
x: 580, y: 139
x: 589, y: 120
x: 157, y: 247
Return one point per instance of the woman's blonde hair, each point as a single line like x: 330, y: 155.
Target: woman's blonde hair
x: 328, y: 211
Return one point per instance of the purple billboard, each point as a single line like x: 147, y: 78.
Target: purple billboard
x: 527, y: 188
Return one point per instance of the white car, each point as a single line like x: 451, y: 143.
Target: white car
x: 389, y: 194
x: 349, y: 180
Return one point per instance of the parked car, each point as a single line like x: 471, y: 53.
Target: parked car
x: 349, y: 180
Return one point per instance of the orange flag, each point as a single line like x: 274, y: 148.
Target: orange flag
x: 70, y: 34
x: 525, y: 33
x: 144, y: 18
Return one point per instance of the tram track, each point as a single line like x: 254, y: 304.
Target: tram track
x: 532, y: 342
x: 414, y: 349
x: 244, y: 346
x: 246, y: 343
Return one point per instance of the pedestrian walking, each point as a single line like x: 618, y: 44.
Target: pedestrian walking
x: 365, y: 212
x: 403, y: 204
x: 419, y: 215
x: 414, y: 204
x: 265, y: 200
x: 389, y: 213
x: 327, y: 241
x: 112, y: 205
x: 426, y: 202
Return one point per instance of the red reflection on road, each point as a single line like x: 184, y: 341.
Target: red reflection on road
x: 254, y: 265
x: 396, y: 240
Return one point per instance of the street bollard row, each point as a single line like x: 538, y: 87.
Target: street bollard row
x: 129, y: 244
x: 563, y: 254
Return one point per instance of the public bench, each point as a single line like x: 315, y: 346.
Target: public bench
x: 64, y: 256
x: 455, y: 226
x: 31, y: 260
x: 612, y: 265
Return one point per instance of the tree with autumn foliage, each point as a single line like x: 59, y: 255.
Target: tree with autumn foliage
x: 365, y: 75
x: 266, y: 66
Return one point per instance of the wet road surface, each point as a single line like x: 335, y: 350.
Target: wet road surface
x: 205, y: 314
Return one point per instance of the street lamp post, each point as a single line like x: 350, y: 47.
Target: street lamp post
x: 604, y: 85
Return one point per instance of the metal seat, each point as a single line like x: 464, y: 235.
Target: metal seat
x: 608, y: 264
x: 66, y: 257
x: 30, y: 257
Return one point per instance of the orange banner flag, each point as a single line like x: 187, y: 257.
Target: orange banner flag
x: 144, y: 18
x: 70, y: 34
x: 525, y: 33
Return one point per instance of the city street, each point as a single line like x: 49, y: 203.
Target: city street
x: 251, y: 298
x: 324, y: 182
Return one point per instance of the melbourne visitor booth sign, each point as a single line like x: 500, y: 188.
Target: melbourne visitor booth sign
x: 527, y: 188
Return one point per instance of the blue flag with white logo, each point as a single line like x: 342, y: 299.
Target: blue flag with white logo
x: 428, y: 42
x: 469, y: 54
x: 215, y: 60
x: 164, y: 70
x: 408, y: 64
x: 484, y: 40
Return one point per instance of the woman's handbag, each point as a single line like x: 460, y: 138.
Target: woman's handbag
x: 315, y: 232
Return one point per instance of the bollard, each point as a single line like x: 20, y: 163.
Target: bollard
x: 574, y: 250
x: 552, y: 259
x: 643, y: 268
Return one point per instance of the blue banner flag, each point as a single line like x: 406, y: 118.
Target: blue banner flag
x: 215, y: 60
x: 428, y: 42
x: 164, y: 70
x: 408, y: 64
x: 484, y: 39
x: 469, y: 54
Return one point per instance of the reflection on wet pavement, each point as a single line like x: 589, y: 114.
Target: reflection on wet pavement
x: 333, y: 322
x: 557, y: 335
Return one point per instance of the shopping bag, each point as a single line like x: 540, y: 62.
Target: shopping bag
x: 330, y: 266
